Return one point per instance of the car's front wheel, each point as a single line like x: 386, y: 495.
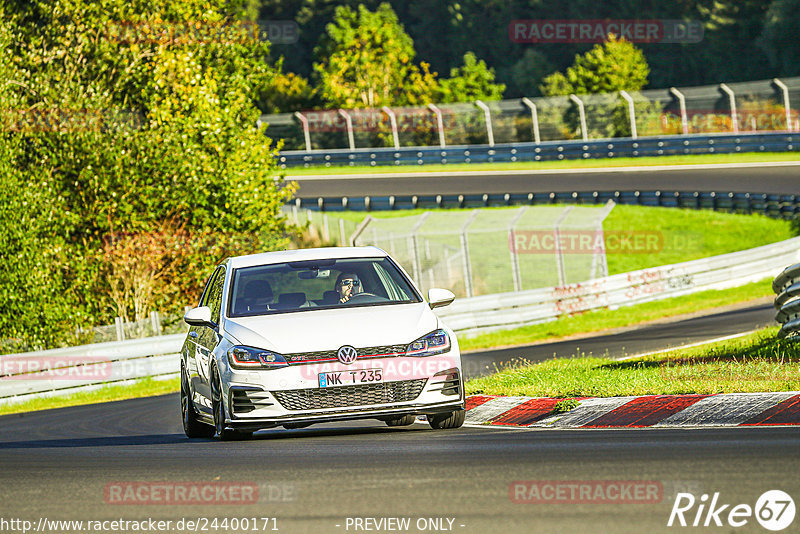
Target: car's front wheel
x: 447, y: 420
x: 218, y: 407
x: 404, y: 420
x: 192, y: 426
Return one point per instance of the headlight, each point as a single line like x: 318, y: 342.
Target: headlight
x: 241, y: 357
x: 434, y: 343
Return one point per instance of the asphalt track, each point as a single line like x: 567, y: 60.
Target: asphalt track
x: 778, y: 178
x: 60, y: 464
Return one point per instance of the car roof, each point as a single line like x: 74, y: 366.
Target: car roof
x: 283, y: 256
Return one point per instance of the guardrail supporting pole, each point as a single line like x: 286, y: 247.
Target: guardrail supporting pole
x: 465, y: 254
x: 439, y: 124
x: 306, y: 132
x: 534, y: 118
x: 488, y: 115
x: 359, y: 229
x: 582, y: 112
x: 512, y: 246
x: 349, y: 122
x: 732, y: 98
x: 682, y: 103
x: 785, y: 90
x: 393, y: 122
x: 631, y: 112
x: 560, y: 267
x: 414, y: 247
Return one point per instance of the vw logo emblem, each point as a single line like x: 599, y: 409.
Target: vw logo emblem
x: 347, y: 354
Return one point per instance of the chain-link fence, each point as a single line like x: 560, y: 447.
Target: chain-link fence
x: 486, y: 251
x: 759, y: 106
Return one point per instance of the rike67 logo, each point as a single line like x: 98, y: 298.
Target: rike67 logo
x: 774, y: 510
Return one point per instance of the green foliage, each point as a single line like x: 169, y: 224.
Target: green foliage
x: 779, y: 39
x: 472, y: 81
x: 122, y: 119
x: 614, y: 65
x: 366, y: 60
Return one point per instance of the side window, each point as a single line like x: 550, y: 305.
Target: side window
x: 206, y: 291
x: 215, y: 294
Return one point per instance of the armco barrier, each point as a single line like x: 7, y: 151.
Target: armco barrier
x: 547, y: 151
x: 785, y: 206
x: 787, y: 288
x: 158, y: 357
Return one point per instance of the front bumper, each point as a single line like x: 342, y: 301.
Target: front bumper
x: 411, y: 386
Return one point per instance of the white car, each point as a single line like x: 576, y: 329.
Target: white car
x: 308, y: 336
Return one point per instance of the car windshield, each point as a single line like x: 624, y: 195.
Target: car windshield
x: 315, y: 284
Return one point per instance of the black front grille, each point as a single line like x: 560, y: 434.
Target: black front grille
x: 358, y: 395
x: 330, y: 355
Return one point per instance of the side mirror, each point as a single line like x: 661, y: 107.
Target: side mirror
x: 439, y: 297
x: 199, y: 317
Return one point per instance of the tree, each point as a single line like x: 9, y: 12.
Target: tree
x: 780, y: 37
x: 611, y: 66
x: 472, y: 81
x: 366, y: 60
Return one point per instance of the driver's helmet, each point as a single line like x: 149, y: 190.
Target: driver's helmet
x: 348, y: 284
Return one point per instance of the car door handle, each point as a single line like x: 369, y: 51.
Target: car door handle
x: 193, y: 335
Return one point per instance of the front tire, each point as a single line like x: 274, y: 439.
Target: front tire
x: 192, y: 426
x: 404, y: 420
x: 441, y: 421
x: 218, y: 407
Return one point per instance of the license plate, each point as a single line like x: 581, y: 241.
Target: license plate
x: 345, y: 378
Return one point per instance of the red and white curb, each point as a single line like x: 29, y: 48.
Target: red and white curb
x: 660, y: 411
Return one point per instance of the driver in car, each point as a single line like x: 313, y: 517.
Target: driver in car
x: 347, y: 285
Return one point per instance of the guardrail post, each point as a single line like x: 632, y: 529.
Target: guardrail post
x: 439, y: 124
x: 786, y: 107
x: 534, y: 118
x: 631, y: 112
x: 306, y: 132
x: 682, y: 103
x: 516, y: 276
x: 465, y: 254
x: 342, y: 235
x: 732, y: 99
x: 488, y: 116
x: 155, y: 321
x: 349, y: 122
x: 582, y: 112
x: 393, y: 122
x: 120, y: 328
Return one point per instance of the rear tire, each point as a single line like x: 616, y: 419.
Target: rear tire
x: 219, y: 413
x: 441, y: 421
x: 404, y: 420
x: 192, y: 426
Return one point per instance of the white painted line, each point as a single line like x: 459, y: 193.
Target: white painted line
x: 690, y: 345
x: 730, y: 409
x: 491, y: 409
x: 588, y: 410
x: 534, y: 172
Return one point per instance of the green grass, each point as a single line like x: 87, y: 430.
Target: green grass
x: 146, y: 387
x: 757, y: 362
x: 600, y: 320
x: 550, y: 165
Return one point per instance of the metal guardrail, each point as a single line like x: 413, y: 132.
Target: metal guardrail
x: 785, y: 206
x: 547, y: 151
x: 64, y: 371
x: 787, y: 288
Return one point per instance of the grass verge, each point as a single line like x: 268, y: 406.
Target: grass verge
x: 757, y: 362
x: 147, y: 387
x: 600, y: 320
x: 698, y: 159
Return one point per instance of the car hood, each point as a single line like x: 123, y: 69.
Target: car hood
x: 315, y: 330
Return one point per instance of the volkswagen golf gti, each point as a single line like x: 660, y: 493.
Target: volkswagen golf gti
x: 298, y: 337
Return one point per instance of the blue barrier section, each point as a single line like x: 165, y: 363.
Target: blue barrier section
x: 547, y: 151
x: 778, y: 206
